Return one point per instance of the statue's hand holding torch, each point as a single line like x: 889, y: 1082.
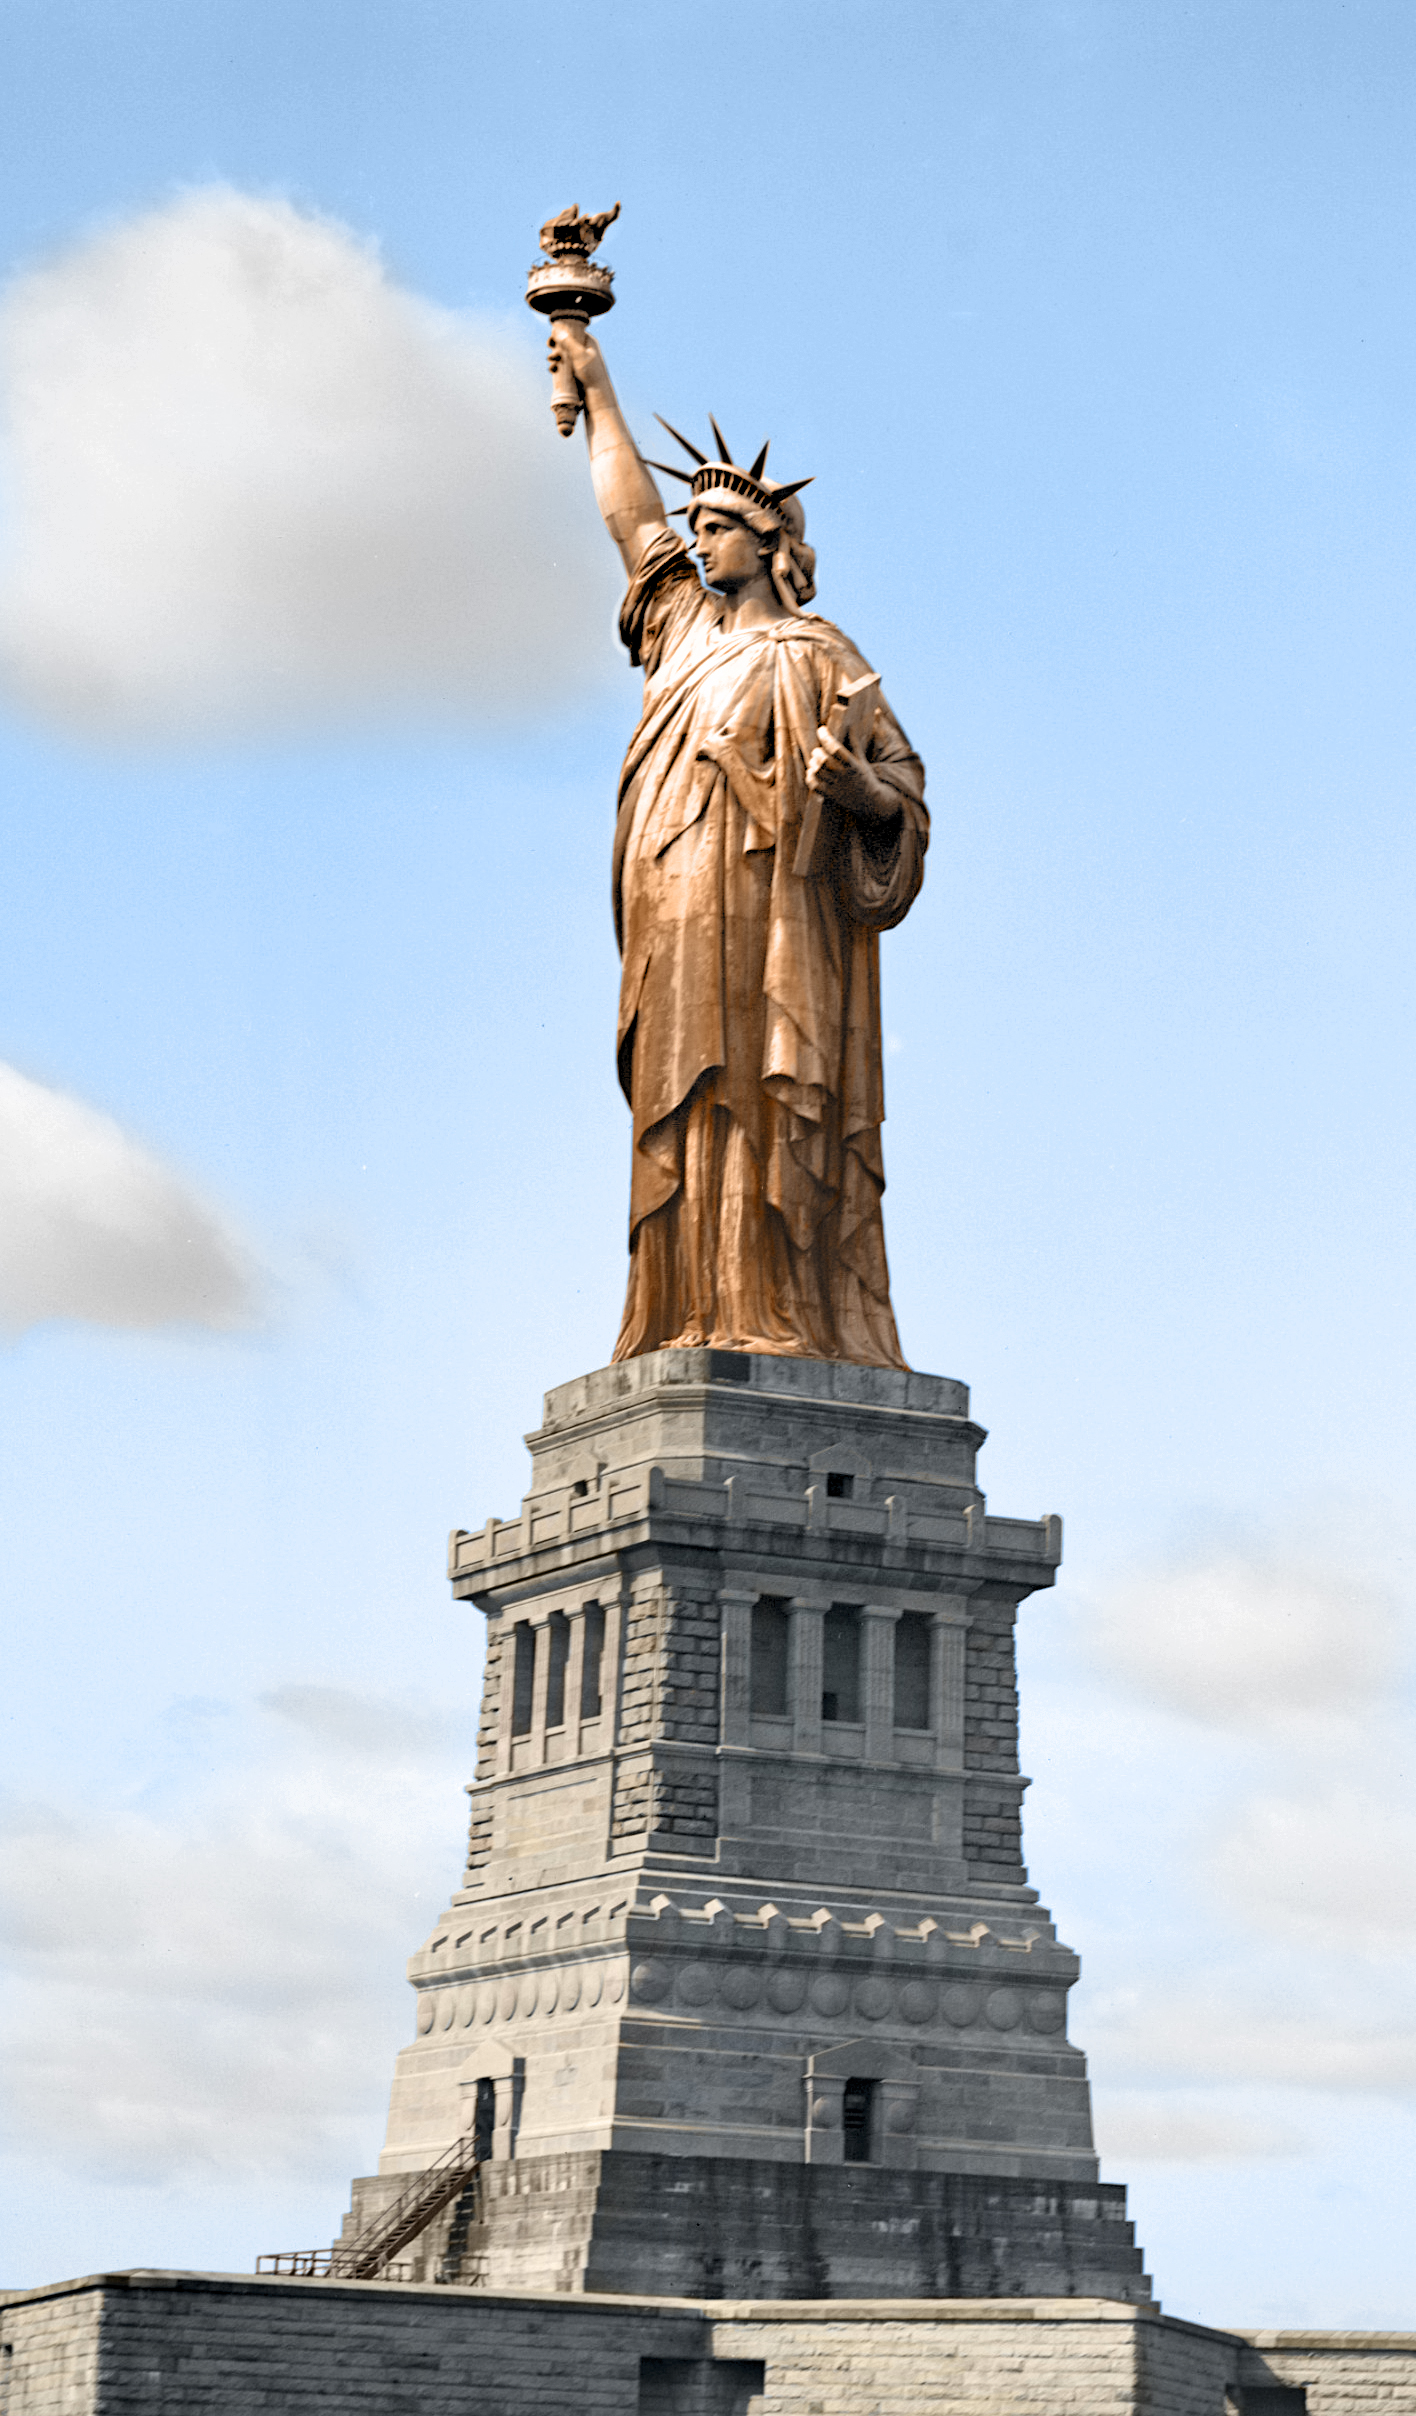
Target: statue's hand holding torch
x: 573, y: 357
x: 570, y: 289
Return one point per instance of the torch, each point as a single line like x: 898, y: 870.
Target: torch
x: 568, y: 284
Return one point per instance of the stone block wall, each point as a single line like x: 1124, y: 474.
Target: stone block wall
x: 213, y: 2345
x: 692, y: 1657
x: 633, y: 1801
x: 991, y: 2364
x: 175, y: 2344
x: 729, y: 2227
x: 479, y: 1837
x: 498, y: 1645
x: 644, y: 1621
x: 1339, y: 2373
x: 49, y: 2352
x: 993, y: 1825
x: 685, y: 1811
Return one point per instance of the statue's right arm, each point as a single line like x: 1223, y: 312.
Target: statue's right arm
x: 630, y: 503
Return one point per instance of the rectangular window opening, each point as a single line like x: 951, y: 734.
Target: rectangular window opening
x: 594, y: 1650
x: 558, y: 1631
x: 771, y: 1643
x: 840, y: 1662
x: 523, y: 1683
x: 858, y: 2121
x: 912, y: 1640
x: 839, y: 1486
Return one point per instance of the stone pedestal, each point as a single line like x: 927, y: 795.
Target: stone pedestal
x: 745, y: 1986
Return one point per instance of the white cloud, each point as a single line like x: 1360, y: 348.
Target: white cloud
x: 93, y: 1227
x: 1327, y: 1857
x: 206, y: 1986
x: 1237, y: 1791
x: 1242, y: 1637
x: 1291, y: 1654
x: 1299, y: 2029
x: 254, y: 484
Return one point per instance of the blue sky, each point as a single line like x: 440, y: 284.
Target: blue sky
x: 1092, y: 323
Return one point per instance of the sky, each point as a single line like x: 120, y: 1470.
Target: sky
x: 1092, y: 324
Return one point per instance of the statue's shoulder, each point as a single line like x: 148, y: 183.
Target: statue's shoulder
x: 664, y: 587
x: 815, y: 629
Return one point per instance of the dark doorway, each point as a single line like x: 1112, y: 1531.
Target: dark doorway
x: 701, y: 2386
x: 484, y: 2121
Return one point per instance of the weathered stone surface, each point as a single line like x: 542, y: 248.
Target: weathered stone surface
x: 727, y: 2227
x: 233, y: 2345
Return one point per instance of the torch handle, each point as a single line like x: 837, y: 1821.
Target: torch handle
x: 566, y: 397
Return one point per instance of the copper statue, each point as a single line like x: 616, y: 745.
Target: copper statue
x: 771, y: 826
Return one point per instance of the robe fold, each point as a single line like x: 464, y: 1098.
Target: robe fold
x: 749, y: 1026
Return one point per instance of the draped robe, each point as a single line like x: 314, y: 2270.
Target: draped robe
x: 749, y: 1025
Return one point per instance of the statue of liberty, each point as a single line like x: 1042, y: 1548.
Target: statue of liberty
x: 771, y: 825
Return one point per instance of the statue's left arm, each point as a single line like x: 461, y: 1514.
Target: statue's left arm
x: 872, y: 786
x: 884, y: 820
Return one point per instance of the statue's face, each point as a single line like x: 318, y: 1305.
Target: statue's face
x: 728, y: 549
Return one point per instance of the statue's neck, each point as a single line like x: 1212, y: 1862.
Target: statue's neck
x: 751, y: 607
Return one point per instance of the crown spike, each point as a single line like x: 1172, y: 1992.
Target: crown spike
x: 684, y: 477
x: 721, y: 442
x: 780, y: 494
x: 681, y: 440
x: 761, y: 462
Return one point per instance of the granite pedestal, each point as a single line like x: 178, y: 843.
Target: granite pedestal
x: 745, y: 1983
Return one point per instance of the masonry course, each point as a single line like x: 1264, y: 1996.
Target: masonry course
x: 175, y: 2344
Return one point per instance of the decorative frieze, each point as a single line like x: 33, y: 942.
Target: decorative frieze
x: 701, y: 1960
x: 696, y: 1986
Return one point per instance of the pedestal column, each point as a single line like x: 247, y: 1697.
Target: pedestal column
x: 807, y: 1619
x: 736, y: 1608
x: 878, y: 1681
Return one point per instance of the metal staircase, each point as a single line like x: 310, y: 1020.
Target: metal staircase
x: 368, y: 2255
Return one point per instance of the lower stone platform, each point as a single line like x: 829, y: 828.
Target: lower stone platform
x: 735, y: 2227
x: 192, y: 2344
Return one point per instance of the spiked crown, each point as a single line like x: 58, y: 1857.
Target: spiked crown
x: 725, y: 477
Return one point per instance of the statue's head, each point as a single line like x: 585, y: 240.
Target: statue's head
x: 771, y: 513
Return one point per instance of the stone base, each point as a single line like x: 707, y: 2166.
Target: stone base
x: 733, y: 2227
x: 193, y: 2344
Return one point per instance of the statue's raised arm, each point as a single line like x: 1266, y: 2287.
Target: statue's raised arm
x: 630, y: 503
x: 570, y: 288
x: 771, y: 825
